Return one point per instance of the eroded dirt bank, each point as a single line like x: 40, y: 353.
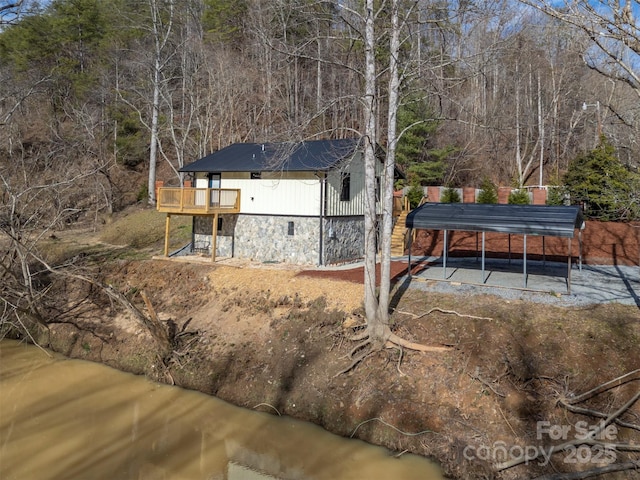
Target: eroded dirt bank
x: 273, y: 340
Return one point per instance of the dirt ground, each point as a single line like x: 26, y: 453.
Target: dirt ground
x: 269, y: 335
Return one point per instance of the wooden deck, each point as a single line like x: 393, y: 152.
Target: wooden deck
x: 198, y: 201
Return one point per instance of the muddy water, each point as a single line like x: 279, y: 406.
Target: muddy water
x: 69, y: 419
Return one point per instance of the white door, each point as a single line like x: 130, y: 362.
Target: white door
x: 214, y: 182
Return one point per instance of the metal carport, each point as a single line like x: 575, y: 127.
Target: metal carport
x: 537, y: 220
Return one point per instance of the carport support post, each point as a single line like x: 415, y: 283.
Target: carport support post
x: 524, y: 263
x: 409, y: 256
x: 580, y: 247
x: 444, y: 255
x: 483, y: 279
x: 569, y: 269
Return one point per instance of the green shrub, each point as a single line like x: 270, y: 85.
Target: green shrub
x: 519, y: 197
x: 450, y: 195
x: 488, y: 192
x: 415, y: 195
x: 556, y: 195
x: 143, y: 193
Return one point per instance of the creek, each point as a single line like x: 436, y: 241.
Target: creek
x: 72, y: 419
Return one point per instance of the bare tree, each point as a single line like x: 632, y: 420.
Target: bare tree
x: 377, y: 333
x: 611, y: 28
x: 10, y: 11
x: 161, y: 26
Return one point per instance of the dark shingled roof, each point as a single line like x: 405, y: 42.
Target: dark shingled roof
x: 313, y: 155
x: 555, y: 221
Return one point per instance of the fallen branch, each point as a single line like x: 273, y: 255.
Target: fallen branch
x: 616, y: 382
x: 594, y: 472
x: 442, y: 310
x: 597, y: 414
x: 590, y: 438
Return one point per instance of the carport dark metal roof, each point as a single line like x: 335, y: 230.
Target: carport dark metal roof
x: 553, y: 221
x: 314, y: 155
x: 541, y: 220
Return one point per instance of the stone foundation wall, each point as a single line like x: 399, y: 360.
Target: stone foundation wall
x: 267, y: 238
x: 261, y: 238
x: 343, y: 239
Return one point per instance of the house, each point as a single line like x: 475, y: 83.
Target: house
x: 300, y: 203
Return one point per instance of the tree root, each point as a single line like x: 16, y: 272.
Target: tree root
x: 442, y: 310
x: 408, y: 434
x: 477, y: 377
x: 395, y: 340
x: 357, y: 337
x: 365, y: 349
x: 368, y: 346
x: 267, y: 405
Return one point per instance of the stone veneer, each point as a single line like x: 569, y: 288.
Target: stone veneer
x: 265, y: 238
x: 343, y: 239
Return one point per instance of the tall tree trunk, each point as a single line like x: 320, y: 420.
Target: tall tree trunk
x: 370, y: 140
x: 153, y: 146
x: 386, y: 194
x: 161, y: 33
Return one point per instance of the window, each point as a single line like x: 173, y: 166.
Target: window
x: 345, y: 187
x: 290, y: 229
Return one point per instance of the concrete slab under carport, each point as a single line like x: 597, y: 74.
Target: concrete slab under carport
x: 544, y: 277
x: 589, y: 284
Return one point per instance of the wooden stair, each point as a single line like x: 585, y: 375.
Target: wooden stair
x: 398, y: 237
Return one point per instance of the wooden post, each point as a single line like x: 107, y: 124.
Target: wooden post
x: 214, y: 239
x: 167, y: 227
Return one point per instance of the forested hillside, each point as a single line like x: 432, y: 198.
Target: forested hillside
x: 97, y: 94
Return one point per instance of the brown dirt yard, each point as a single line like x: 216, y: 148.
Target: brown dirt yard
x: 268, y: 334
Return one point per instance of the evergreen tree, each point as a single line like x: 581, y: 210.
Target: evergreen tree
x: 519, y: 197
x: 450, y: 195
x: 62, y: 41
x: 223, y: 20
x: 488, y: 192
x: 599, y: 181
x: 424, y: 165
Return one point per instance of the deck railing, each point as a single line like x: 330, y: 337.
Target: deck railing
x: 198, y: 201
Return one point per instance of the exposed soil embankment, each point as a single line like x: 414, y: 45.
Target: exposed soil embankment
x: 271, y: 338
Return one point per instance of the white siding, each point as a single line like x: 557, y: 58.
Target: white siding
x: 276, y: 193
x: 201, y: 181
x: 355, y: 206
